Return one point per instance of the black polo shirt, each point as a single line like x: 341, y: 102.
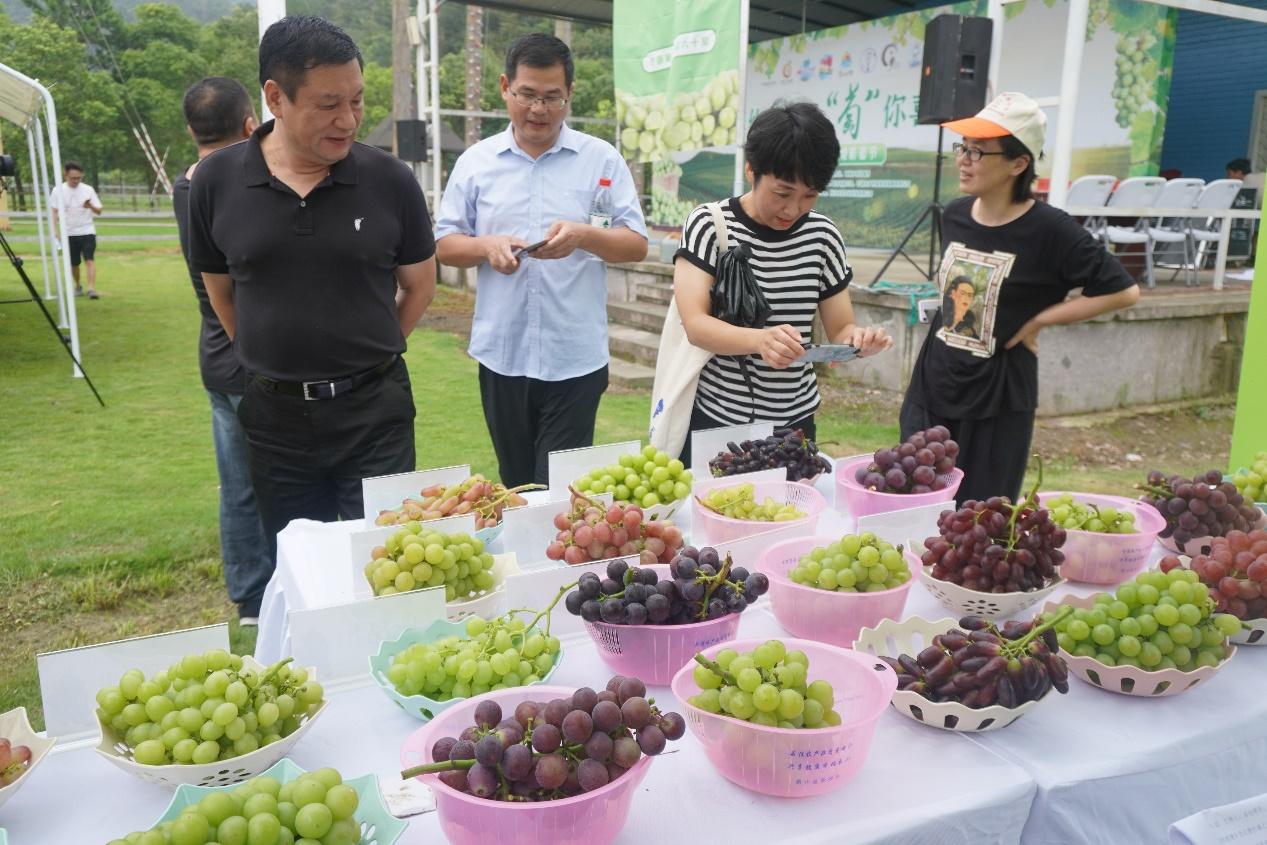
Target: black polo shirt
x: 314, y: 277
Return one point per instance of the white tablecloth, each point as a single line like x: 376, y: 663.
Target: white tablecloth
x: 1107, y: 768
x: 918, y: 785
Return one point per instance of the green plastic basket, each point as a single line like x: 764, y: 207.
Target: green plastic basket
x: 378, y: 827
x: 4, y: 837
x: 420, y: 706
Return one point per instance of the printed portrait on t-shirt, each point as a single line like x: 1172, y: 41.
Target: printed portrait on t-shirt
x: 970, y: 282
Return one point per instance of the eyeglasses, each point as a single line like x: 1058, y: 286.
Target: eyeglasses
x: 530, y: 100
x: 973, y: 154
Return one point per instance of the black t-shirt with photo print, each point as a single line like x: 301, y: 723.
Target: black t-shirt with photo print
x: 1051, y: 254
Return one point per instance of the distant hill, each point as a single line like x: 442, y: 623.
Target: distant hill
x: 200, y: 10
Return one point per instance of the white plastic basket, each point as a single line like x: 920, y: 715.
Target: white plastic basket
x: 16, y: 727
x: 1253, y: 632
x: 967, y: 602
x: 911, y: 636
x: 219, y: 773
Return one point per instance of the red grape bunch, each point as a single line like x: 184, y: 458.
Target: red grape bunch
x: 983, y: 665
x: 996, y: 546
x: 556, y: 749
x: 14, y: 761
x: 1235, y: 570
x: 701, y: 587
x: 1204, y: 506
x: 920, y: 465
x: 592, y: 531
x: 787, y: 447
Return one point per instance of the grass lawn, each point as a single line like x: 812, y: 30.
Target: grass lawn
x: 109, y: 525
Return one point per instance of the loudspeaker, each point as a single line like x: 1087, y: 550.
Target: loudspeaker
x: 411, y: 140
x: 956, y: 68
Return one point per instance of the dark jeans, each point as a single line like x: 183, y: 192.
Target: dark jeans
x: 82, y: 247
x: 244, y: 549
x: 701, y: 421
x: 528, y: 419
x: 993, y: 452
x: 308, y: 457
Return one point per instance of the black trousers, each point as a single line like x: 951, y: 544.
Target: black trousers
x: 308, y: 457
x: 528, y: 419
x: 701, y: 421
x: 993, y: 452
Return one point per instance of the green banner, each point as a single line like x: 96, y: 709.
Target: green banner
x: 676, y: 70
x: 1249, y: 437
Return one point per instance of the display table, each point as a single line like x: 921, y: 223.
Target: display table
x: 918, y: 785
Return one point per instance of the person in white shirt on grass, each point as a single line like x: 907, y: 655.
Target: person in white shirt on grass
x: 75, y: 203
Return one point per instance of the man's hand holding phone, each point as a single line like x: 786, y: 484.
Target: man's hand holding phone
x: 502, y: 252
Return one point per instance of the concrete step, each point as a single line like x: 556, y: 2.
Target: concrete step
x: 638, y: 315
x: 629, y: 374
x: 655, y: 293
x: 637, y: 345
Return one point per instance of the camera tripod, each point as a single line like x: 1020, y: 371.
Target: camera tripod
x: 17, y: 263
x: 932, y: 212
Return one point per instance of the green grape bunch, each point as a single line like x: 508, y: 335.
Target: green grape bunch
x: 654, y: 124
x: 1252, y: 480
x: 856, y: 563
x: 315, y: 807
x: 495, y: 654
x: 1160, y: 620
x: 207, y: 707
x: 646, y: 479
x: 766, y: 686
x: 417, y: 557
x: 1073, y: 515
x: 1137, y: 71
x: 739, y: 502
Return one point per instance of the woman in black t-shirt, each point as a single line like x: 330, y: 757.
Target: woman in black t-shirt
x: 797, y: 257
x: 1009, y: 266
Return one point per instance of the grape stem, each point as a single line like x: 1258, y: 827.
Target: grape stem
x: 546, y: 612
x: 738, y: 497
x: 430, y: 768
x: 1016, y: 648
x: 715, y: 667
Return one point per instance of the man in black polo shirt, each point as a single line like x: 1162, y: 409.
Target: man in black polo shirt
x: 317, y: 254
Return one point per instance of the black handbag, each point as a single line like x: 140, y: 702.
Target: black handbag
x: 735, y: 297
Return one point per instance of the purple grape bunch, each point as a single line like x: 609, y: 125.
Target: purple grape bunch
x: 787, y: 447
x: 1203, y: 506
x: 701, y: 586
x: 543, y: 751
x: 921, y: 464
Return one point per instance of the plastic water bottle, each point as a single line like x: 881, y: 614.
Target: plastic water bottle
x: 601, y: 210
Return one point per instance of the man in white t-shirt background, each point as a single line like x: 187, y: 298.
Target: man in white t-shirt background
x: 81, y: 204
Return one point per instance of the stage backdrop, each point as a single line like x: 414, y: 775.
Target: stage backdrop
x: 865, y: 77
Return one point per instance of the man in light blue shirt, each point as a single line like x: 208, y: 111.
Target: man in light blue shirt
x: 540, y: 328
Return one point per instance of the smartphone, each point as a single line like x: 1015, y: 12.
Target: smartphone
x: 524, y: 250
x: 829, y: 353
x: 927, y: 307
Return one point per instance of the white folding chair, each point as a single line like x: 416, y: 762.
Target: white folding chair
x: 1136, y: 192
x: 1091, y: 192
x: 1178, y: 193
x: 1216, y: 196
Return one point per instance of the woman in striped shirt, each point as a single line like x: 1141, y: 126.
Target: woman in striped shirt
x: 797, y: 257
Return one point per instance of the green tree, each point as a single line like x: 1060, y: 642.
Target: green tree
x: 229, y: 47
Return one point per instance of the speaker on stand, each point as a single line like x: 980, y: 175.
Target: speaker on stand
x: 953, y: 79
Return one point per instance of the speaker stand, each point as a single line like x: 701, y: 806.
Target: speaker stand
x: 932, y: 213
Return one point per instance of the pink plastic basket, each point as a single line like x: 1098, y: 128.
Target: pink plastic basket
x: 864, y: 502
x: 591, y: 818
x: 716, y: 528
x: 826, y: 615
x: 1109, y: 558
x: 653, y: 653
x: 796, y: 763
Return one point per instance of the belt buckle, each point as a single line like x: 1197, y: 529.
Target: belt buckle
x: 310, y: 398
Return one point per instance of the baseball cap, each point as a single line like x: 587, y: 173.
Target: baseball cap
x: 1009, y: 113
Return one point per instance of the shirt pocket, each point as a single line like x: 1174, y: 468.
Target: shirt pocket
x: 572, y: 204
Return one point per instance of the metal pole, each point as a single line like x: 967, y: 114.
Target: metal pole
x: 269, y: 12
x: 433, y: 58
x: 994, y: 9
x: 422, y: 92
x: 741, y: 122
x: 38, y: 188
x: 50, y: 115
x: 1070, y: 75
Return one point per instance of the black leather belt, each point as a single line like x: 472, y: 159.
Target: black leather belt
x: 326, y: 388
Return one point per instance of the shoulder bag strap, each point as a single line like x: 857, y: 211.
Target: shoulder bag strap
x: 719, y: 226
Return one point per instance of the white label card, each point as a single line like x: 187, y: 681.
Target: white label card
x: 706, y: 444
x: 386, y: 492
x: 571, y: 464
x: 69, y: 679
x: 902, y: 526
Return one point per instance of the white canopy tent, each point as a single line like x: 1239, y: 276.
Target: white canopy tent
x: 28, y: 105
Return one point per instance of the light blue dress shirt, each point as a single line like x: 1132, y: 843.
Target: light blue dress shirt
x: 548, y: 319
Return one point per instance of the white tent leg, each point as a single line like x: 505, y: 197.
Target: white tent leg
x: 995, y: 13
x: 50, y: 115
x: 61, y: 268
x: 38, y: 190
x: 741, y: 122
x: 269, y: 12
x: 1070, y: 76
